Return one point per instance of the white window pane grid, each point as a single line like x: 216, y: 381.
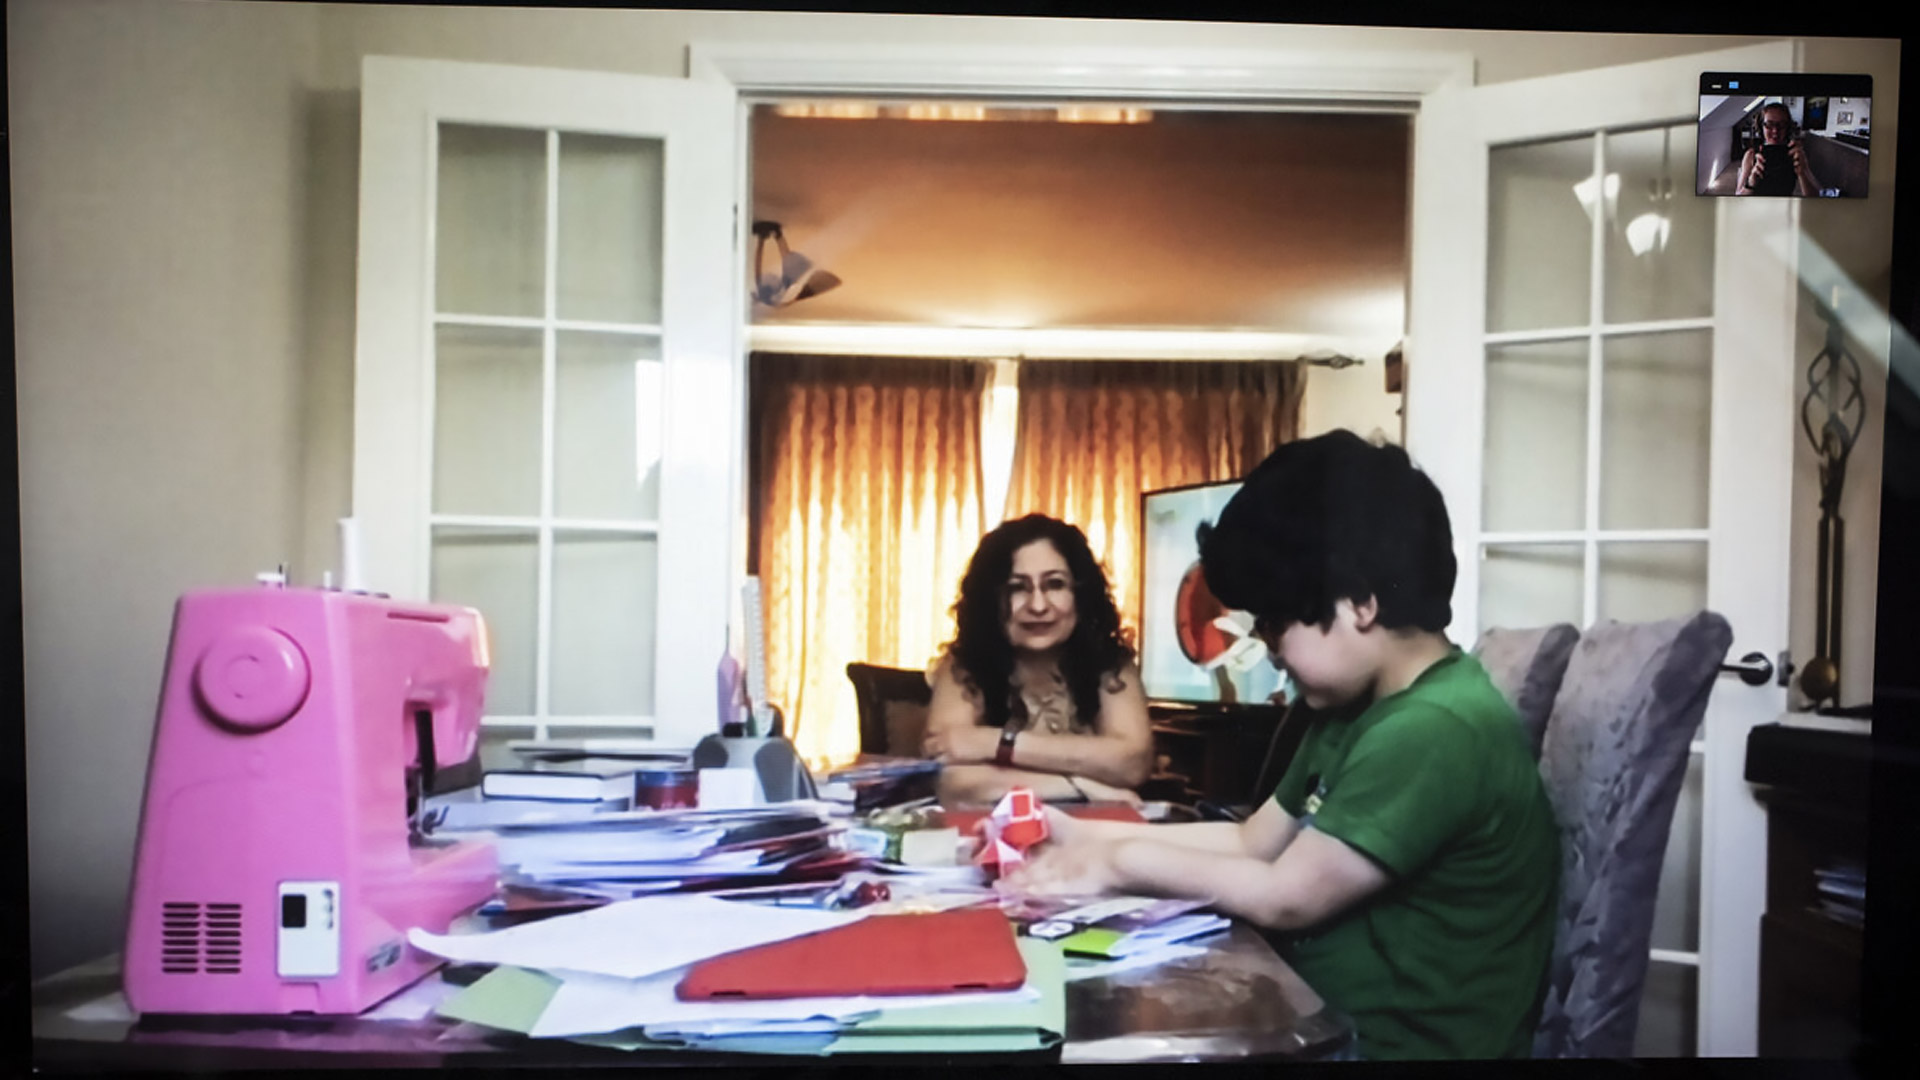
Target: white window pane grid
x: 493, y: 175
x: 609, y: 215
x: 1676, y: 908
x: 508, y: 534
x: 1668, y: 1025
x: 1535, y: 276
x: 1528, y: 572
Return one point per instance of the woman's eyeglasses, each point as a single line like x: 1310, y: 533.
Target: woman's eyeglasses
x: 1019, y: 589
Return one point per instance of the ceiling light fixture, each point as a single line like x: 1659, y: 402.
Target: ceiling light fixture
x: 794, y: 280
x: 1649, y: 231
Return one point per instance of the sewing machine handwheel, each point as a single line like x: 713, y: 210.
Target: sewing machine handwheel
x: 253, y: 678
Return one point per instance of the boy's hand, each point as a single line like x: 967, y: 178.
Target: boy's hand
x: 1054, y: 869
x: 1063, y: 828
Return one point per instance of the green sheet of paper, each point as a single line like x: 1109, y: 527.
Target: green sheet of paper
x: 508, y: 998
x: 963, y: 1027
x: 1093, y: 941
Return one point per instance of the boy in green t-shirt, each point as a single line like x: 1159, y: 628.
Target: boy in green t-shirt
x: 1409, y: 858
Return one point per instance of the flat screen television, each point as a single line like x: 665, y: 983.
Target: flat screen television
x: 1192, y: 649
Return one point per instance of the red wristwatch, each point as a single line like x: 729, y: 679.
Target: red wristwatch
x: 1003, y: 754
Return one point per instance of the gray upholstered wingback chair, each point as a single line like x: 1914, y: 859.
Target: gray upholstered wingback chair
x: 1613, y: 760
x: 1527, y: 666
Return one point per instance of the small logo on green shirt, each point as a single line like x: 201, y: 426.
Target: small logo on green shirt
x: 1316, y: 795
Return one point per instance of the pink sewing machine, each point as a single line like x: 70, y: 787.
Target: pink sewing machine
x: 277, y: 871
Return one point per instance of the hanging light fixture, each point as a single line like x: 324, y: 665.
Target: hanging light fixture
x: 796, y: 277
x: 1594, y: 188
x: 1649, y: 231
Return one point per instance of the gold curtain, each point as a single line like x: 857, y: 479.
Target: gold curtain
x: 1094, y: 434
x: 868, y: 505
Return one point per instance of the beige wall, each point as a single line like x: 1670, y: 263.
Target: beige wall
x: 159, y: 160
x: 183, y: 193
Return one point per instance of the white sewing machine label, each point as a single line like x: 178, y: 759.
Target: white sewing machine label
x: 309, y: 929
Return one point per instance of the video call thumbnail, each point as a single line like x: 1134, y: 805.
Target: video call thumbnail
x: 1784, y: 135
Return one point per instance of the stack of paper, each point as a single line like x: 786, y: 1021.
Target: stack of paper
x: 874, y: 781
x: 479, y: 815
x: 1114, y: 943
x: 618, y: 855
x: 1114, y: 928
x: 609, y: 976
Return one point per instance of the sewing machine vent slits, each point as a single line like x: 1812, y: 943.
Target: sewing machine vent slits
x: 199, y: 937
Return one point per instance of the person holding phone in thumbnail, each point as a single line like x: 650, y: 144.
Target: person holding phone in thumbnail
x: 1038, y: 688
x: 1778, y: 166
x: 1408, y: 861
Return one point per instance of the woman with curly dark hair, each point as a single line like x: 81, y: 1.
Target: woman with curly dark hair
x: 1038, y: 688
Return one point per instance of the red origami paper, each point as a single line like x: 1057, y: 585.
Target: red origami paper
x: 1015, y: 825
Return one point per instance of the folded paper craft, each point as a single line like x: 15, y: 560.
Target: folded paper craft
x: 1015, y: 825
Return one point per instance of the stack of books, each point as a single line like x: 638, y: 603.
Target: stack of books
x: 873, y: 781
x: 585, y: 779
x: 1841, y: 891
x: 591, y: 771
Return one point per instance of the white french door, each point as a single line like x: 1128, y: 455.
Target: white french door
x: 543, y: 391
x: 1600, y: 380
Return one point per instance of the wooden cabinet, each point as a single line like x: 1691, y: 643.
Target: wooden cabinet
x: 1814, y: 785
x: 1213, y: 752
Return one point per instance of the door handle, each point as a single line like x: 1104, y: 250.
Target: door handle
x: 1755, y: 669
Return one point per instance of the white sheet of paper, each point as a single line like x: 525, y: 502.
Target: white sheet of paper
x: 594, y: 1004
x: 729, y: 789
x: 634, y: 938
x: 743, y: 862
x: 710, y: 1029
x: 610, y: 845
x: 112, y: 1008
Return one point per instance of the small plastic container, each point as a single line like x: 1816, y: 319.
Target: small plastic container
x: 666, y: 789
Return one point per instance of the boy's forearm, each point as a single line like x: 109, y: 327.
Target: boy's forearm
x: 1220, y: 837
x: 1234, y: 883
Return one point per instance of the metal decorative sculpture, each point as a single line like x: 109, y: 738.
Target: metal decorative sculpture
x: 1831, y: 414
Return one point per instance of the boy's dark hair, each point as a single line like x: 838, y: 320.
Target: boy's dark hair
x: 1334, y: 518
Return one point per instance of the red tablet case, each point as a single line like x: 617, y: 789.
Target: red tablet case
x: 938, y: 953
